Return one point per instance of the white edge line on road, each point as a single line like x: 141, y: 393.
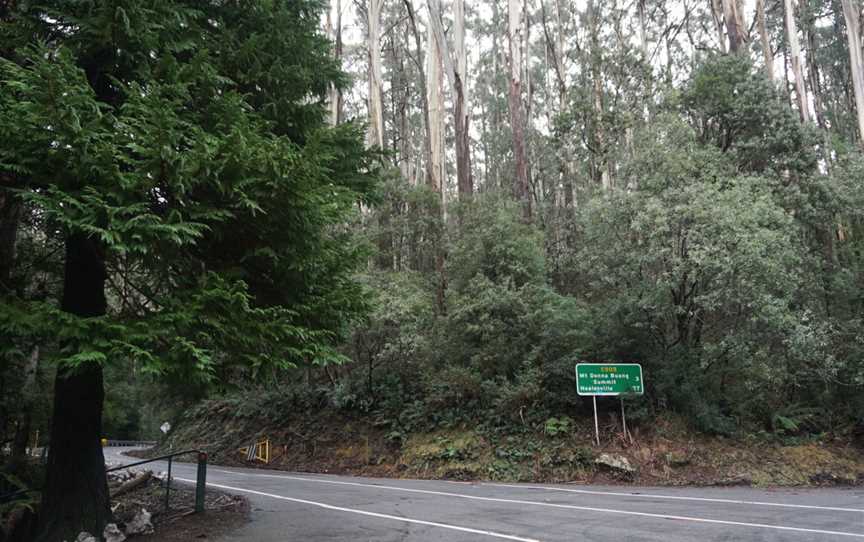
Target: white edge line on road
x: 679, y: 498
x: 571, y: 507
x: 371, y: 514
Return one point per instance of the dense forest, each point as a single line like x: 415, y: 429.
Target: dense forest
x: 424, y: 214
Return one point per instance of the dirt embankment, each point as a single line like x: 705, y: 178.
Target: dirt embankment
x: 177, y: 521
x: 667, y: 454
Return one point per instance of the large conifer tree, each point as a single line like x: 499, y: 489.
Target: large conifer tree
x: 178, y: 151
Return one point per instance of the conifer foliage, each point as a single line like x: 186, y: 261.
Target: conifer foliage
x: 172, y: 174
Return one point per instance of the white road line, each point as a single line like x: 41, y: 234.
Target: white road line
x: 371, y: 514
x: 571, y: 507
x: 680, y: 498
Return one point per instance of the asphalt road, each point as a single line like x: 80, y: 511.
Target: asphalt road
x: 315, y: 508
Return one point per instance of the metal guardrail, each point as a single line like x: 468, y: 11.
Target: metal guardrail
x: 200, y: 479
x: 129, y: 443
x: 9, y: 497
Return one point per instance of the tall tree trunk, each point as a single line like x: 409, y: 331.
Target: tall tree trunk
x: 795, y: 57
x: 735, y: 28
x: 456, y: 77
x: 335, y: 33
x: 401, y: 96
x: 556, y: 49
x: 852, y: 16
x: 498, y: 59
x: 517, y: 120
x: 717, y: 15
x: 28, y: 392
x: 424, y: 94
x: 434, y: 84
x: 767, y: 54
x: 602, y: 169
x: 76, y: 488
x: 376, y: 104
x: 565, y: 170
x: 10, y: 219
x: 809, y: 27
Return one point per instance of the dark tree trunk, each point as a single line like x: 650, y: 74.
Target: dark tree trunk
x: 25, y: 407
x: 520, y: 184
x: 463, y: 142
x: 10, y: 219
x: 20, y: 441
x: 76, y: 489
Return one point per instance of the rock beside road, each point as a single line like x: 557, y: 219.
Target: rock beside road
x: 615, y: 463
x: 140, y: 524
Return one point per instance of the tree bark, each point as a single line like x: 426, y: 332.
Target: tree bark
x: 852, y: 16
x: 517, y: 122
x: 735, y: 28
x: 809, y: 27
x: 76, y: 488
x: 22, y: 432
x: 376, y: 104
x: 767, y: 54
x: 424, y: 94
x: 556, y: 49
x: 456, y: 76
x: 795, y: 57
x: 10, y: 219
x: 602, y: 169
x: 717, y: 14
x: 433, y: 104
x: 643, y: 34
x: 435, y: 99
x: 335, y: 32
x: 462, y: 109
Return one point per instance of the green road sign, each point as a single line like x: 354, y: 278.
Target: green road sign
x: 609, y: 379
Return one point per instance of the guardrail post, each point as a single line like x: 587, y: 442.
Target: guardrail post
x: 168, y: 484
x: 201, y: 482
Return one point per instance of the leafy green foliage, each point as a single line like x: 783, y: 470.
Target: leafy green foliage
x: 180, y: 138
x: 727, y: 269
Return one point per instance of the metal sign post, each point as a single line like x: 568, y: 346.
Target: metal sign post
x: 609, y: 379
x: 624, y: 422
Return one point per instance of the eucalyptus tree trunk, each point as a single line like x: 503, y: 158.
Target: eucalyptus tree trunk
x: 517, y: 118
x: 435, y: 99
x: 376, y: 105
x: 735, y: 28
x: 561, y: 73
x: 852, y: 16
x: 334, y: 32
x: 456, y: 76
x: 555, y: 48
x: 430, y: 92
x: 795, y: 58
x: 424, y: 93
x: 400, y: 99
x: 602, y: 169
x: 809, y: 28
x: 643, y: 34
x: 767, y: 54
x: 717, y: 15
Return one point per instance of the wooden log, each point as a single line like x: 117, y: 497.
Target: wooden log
x: 139, y: 480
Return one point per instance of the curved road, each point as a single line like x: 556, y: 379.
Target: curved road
x: 315, y: 507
